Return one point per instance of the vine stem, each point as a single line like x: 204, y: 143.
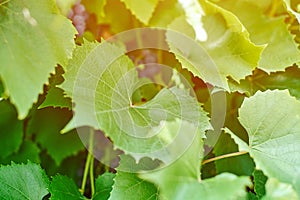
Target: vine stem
x: 224, y: 156
x: 91, y: 149
x: 89, y: 165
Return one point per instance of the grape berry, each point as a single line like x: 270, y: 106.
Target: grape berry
x: 78, y: 15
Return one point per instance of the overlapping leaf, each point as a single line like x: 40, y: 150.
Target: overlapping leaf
x: 260, y: 80
x: 28, y: 151
x: 102, y: 87
x: 11, y: 129
x: 165, y: 13
x: 267, y: 26
x: 46, y: 125
x: 63, y: 187
x: 130, y: 186
x: 227, y: 51
x: 104, y: 185
x: 181, y: 179
x: 23, y: 182
x: 34, y: 38
x: 141, y: 9
x: 259, y: 180
x: 272, y: 119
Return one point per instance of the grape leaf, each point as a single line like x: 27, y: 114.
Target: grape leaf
x: 62, y: 187
x: 271, y: 119
x: 240, y: 165
x: 34, y: 38
x: 23, y: 181
x: 260, y: 80
x: 79, y: 56
x: 165, y: 13
x: 1, y: 88
x: 95, y: 6
x: 28, y: 151
x: 110, y: 14
x: 127, y: 184
x: 70, y: 166
x: 104, y: 185
x: 11, y: 132
x: 113, y: 73
x: 181, y: 179
x: 46, y: 125
x: 194, y: 13
x: 227, y: 51
x: 65, y: 6
x: 259, y: 183
x: 266, y: 29
x: 56, y: 98
x: 130, y: 186
x: 276, y: 190
x: 141, y: 9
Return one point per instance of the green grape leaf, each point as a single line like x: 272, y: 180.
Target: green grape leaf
x: 23, y: 181
x: 266, y: 28
x: 271, y: 120
x: 259, y: 183
x: 28, y: 151
x: 111, y: 13
x: 46, y: 125
x: 142, y: 9
x: 276, y: 190
x: 227, y: 51
x: 239, y: 165
x: 127, y: 184
x: 62, y: 187
x: 34, y: 38
x: 56, y: 98
x: 1, y: 88
x: 165, y: 13
x: 104, y: 185
x: 69, y: 167
x: 65, y: 5
x: 193, y: 14
x: 181, y: 179
x: 79, y: 56
x: 260, y: 80
x: 11, y: 133
x: 130, y: 186
x: 95, y: 6
x: 114, y: 113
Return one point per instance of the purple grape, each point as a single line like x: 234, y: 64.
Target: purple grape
x: 78, y: 20
x: 79, y: 9
x: 80, y: 28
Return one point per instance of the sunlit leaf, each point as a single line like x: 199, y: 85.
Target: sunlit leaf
x: 267, y: 27
x: 272, y: 119
x: 102, y: 87
x: 227, y: 52
x: 34, y: 38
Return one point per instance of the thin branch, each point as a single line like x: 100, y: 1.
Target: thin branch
x: 224, y: 156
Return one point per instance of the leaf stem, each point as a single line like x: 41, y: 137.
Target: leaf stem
x: 224, y: 156
x: 88, y: 162
x: 91, y: 151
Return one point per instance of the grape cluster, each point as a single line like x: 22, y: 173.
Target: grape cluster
x: 151, y: 68
x: 78, y: 15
